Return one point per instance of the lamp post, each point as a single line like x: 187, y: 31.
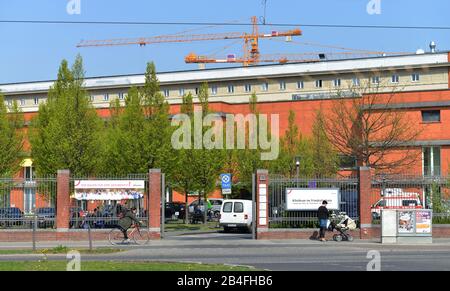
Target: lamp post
x: 297, y: 165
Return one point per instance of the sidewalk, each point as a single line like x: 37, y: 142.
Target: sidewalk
x: 218, y: 243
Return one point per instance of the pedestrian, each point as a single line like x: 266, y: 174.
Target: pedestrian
x: 322, y: 215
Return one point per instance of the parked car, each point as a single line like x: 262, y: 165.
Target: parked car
x: 11, y: 216
x: 216, y: 204
x: 180, y: 208
x: 236, y: 214
x: 174, y: 210
x: 45, y: 217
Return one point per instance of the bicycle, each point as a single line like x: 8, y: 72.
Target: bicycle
x: 140, y: 236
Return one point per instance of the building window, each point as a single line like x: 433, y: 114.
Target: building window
x: 300, y: 85
x: 230, y: 89
x: 214, y: 90
x: 282, y: 85
x: 376, y: 80
x: 181, y: 92
x: 166, y: 92
x: 265, y: 87
x: 319, y: 83
x: 10, y: 103
x: 121, y: 96
x: 415, y: 77
x: 431, y: 115
x: 395, y: 79
x: 248, y: 88
x: 431, y: 157
x: 36, y: 100
x: 92, y: 98
x: 22, y: 102
x: 337, y: 82
x: 28, y: 173
x: 355, y: 81
x: 196, y: 90
x: 106, y: 97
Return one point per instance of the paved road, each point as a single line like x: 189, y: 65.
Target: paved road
x: 239, y: 249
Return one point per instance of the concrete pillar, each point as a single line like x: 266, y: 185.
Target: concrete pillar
x: 365, y: 192
x: 154, y: 203
x: 63, y: 200
x: 262, y: 202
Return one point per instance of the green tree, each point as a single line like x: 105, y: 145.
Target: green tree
x: 245, y: 162
x: 158, y: 131
x: 324, y: 156
x: 113, y: 158
x: 66, y: 132
x: 139, y: 134
x: 11, y: 138
x: 293, y: 145
x: 183, y: 174
x: 126, y: 138
x: 208, y: 163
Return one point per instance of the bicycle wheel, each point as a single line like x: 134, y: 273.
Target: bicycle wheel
x: 141, y: 236
x: 115, y: 236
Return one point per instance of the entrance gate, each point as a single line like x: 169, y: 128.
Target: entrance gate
x: 280, y: 217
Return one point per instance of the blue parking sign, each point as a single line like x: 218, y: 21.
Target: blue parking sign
x: 226, y: 183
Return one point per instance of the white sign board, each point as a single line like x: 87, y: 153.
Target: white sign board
x: 109, y: 189
x: 109, y: 184
x: 226, y: 191
x: 311, y: 199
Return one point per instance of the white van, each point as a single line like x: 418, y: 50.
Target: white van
x: 236, y: 214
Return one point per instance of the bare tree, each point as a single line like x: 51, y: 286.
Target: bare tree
x: 365, y: 123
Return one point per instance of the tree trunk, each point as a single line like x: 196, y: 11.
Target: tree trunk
x: 205, y: 214
x: 186, y: 208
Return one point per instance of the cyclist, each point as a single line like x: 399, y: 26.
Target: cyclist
x: 126, y: 221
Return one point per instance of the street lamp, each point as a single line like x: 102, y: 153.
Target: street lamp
x: 297, y: 165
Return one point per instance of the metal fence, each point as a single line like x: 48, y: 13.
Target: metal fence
x: 99, y: 213
x: 280, y: 217
x: 25, y: 202
x: 410, y: 191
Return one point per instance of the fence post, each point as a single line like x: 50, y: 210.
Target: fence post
x: 254, y: 206
x: 365, y: 192
x: 154, y: 202
x: 163, y: 203
x: 90, y: 237
x: 34, y: 229
x: 63, y: 200
x: 262, y: 202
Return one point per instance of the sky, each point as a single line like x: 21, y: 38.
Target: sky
x: 33, y: 52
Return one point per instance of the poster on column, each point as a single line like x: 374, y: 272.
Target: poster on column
x: 406, y: 221
x: 311, y: 198
x: 109, y: 189
x: 423, y: 221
